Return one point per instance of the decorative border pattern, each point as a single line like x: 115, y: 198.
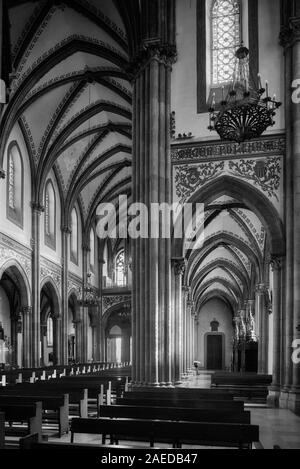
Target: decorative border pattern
x: 200, y: 151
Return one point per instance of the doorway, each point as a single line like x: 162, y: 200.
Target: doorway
x: 214, y: 352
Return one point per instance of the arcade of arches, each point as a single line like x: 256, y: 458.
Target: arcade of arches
x: 104, y: 98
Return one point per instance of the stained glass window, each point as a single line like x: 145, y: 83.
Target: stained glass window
x: 120, y: 268
x: 226, y: 37
x: 11, y: 183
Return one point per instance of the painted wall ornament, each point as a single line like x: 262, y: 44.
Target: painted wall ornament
x: 189, y: 178
x: 263, y: 173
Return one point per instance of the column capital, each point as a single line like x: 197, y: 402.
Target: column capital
x: 2, y: 174
x: 179, y: 266
x: 290, y: 34
x: 165, y: 54
x: 261, y: 288
x: 276, y: 263
x: 86, y: 247
x: 66, y: 229
x: 26, y: 309
x: 38, y: 208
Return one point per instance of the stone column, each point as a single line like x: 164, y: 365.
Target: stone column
x: 125, y: 356
x: 43, y: 344
x: 26, y: 355
x: 179, y: 269
x: 274, y: 390
x: 262, y: 328
x: 152, y: 185
x: 290, y: 40
x: 57, y: 340
x: 84, y: 309
x: 35, y: 242
x: 65, y: 306
x: 185, y: 291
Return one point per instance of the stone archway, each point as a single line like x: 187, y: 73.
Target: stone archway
x: 15, y: 315
x: 50, y: 320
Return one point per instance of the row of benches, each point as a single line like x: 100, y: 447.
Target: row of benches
x: 55, y: 399
x: 46, y: 373
x: 176, y: 416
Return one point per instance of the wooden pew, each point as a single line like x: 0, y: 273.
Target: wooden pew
x: 247, y: 385
x: 176, y: 433
x: 2, y: 430
x: 171, y: 413
x: 29, y: 413
x: 77, y: 397
x: 32, y: 442
x: 57, y: 404
x: 233, y: 406
x: 194, y: 394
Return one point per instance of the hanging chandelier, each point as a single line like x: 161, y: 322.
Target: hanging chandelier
x: 87, y: 295
x: 246, y: 109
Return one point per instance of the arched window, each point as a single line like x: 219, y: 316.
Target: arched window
x: 14, y: 206
x: 50, y: 332
x: 92, y: 250
x: 226, y: 37
x: 120, y: 268
x: 50, y: 216
x: 74, y: 237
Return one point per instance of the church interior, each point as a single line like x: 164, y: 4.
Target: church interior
x: 113, y: 107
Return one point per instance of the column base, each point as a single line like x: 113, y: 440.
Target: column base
x: 294, y: 401
x: 273, y: 397
x: 178, y: 383
x: 284, y: 399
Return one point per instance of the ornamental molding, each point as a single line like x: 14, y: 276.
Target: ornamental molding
x: 218, y: 150
x: 110, y: 301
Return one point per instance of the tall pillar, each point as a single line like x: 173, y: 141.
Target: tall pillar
x: 179, y: 269
x: 57, y: 344
x: 262, y: 328
x: 65, y: 306
x: 35, y: 242
x: 26, y: 355
x: 274, y: 390
x: 185, y: 341
x: 152, y: 185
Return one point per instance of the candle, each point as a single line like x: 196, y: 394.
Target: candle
x: 259, y: 81
x: 267, y: 88
x: 222, y: 93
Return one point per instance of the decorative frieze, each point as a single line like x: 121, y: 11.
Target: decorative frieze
x: 218, y: 150
x: 74, y: 284
x: 189, y: 178
x: 265, y: 174
x: 12, y: 250
x: 51, y: 270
